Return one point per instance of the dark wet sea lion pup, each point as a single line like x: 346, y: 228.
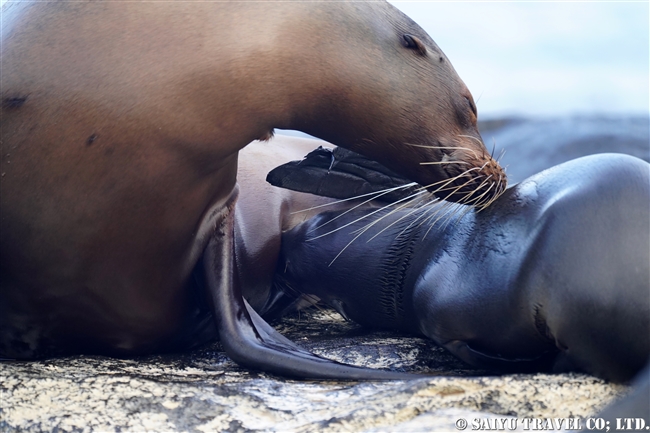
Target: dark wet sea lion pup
x: 121, y: 126
x: 557, y: 267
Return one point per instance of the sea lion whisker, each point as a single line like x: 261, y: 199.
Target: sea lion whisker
x: 468, y: 149
x: 444, y: 162
x: 484, y: 206
x: 376, y: 193
x: 402, y: 206
x: 455, y: 190
x: 479, y: 98
x: 477, y: 199
x: 501, y: 153
x: 430, y: 146
x: 452, y: 187
x: 384, y: 192
x: 479, y: 186
x: 478, y: 189
x: 472, y: 208
x: 451, y: 179
x: 358, y: 219
x: 435, y: 210
x: 450, y: 208
x: 431, y: 212
x: 422, y: 205
x: 395, y: 222
x: 493, y: 199
x: 467, y: 210
x: 465, y: 200
x: 499, y: 191
x: 454, y: 213
x: 416, y: 219
x: 352, y: 241
x: 472, y: 137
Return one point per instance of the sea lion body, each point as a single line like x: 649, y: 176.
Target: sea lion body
x: 121, y: 127
x: 558, y: 265
x: 262, y: 213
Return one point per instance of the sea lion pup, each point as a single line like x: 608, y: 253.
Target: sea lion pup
x: 558, y: 266
x: 121, y: 126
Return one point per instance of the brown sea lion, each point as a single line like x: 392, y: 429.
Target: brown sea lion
x: 121, y: 127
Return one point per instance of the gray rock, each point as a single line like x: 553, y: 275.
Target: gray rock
x: 204, y: 391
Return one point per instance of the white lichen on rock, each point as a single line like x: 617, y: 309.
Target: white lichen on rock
x: 204, y: 391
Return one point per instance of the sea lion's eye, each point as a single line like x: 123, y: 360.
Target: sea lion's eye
x: 415, y: 43
x: 471, y: 106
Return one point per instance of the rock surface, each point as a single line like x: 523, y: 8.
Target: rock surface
x: 204, y: 391
x: 532, y: 145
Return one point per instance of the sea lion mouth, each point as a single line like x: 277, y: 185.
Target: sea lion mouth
x: 477, y: 186
x: 464, y: 176
x: 470, y: 175
x: 472, y: 178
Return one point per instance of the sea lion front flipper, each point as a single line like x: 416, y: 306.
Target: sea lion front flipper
x: 341, y: 174
x: 247, y: 338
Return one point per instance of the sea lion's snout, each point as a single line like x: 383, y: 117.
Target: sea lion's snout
x: 473, y: 176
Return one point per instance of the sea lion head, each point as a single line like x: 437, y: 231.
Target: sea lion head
x: 389, y: 92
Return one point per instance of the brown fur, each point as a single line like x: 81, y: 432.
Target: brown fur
x: 121, y: 127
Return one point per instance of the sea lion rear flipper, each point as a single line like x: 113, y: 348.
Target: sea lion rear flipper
x: 247, y: 338
x: 341, y: 174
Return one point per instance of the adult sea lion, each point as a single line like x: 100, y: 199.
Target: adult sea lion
x: 557, y: 266
x: 121, y: 126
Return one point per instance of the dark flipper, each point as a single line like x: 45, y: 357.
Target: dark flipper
x: 339, y: 174
x: 247, y: 338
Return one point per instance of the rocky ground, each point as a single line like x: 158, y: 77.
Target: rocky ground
x: 205, y: 391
